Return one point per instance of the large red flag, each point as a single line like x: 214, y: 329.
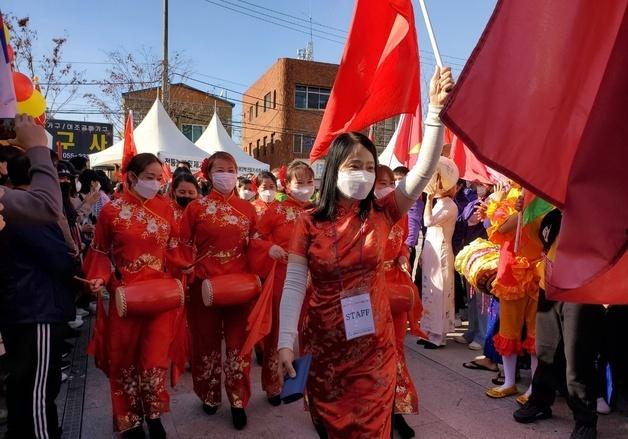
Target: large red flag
x: 379, y: 72
x: 543, y: 100
x: 129, y: 150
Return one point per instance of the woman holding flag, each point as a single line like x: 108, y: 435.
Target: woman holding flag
x: 348, y: 327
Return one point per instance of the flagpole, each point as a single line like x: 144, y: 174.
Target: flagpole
x: 519, y: 225
x: 430, y: 32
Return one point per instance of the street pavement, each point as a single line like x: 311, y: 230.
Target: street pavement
x: 452, y: 405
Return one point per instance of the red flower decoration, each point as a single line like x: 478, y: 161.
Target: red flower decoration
x: 282, y: 175
x: 205, y: 168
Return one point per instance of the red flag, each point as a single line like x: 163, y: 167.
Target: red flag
x: 379, y: 72
x: 409, y: 137
x: 167, y: 172
x: 470, y: 167
x: 546, y: 105
x: 129, y: 150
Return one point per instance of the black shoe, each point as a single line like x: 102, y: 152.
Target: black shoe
x: 421, y: 341
x: 320, y: 429
x: 210, y: 409
x: 584, y: 432
x: 402, y: 427
x: 65, y: 365
x: 530, y: 413
x: 430, y: 345
x: 156, y: 429
x: 239, y: 418
x: 275, y: 400
x: 134, y: 433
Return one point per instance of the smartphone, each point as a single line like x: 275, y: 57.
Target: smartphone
x: 7, y: 128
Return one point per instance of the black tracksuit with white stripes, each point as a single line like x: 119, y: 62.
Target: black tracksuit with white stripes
x: 36, y: 301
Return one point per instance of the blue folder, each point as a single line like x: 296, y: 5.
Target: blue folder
x: 294, y: 388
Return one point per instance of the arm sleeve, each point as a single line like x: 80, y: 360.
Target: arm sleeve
x: 49, y: 249
x: 97, y: 263
x: 431, y: 147
x: 415, y: 219
x: 439, y: 214
x: 42, y: 202
x: 291, y: 303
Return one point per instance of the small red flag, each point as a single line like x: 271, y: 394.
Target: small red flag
x: 379, y: 73
x: 409, y: 137
x: 470, y: 167
x: 546, y: 106
x: 129, y: 150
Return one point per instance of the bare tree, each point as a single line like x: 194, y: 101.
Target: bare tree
x: 59, y: 80
x: 131, y: 72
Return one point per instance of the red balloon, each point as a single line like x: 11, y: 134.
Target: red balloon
x: 23, y: 86
x: 10, y: 53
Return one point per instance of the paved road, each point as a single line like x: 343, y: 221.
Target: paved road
x: 453, y: 405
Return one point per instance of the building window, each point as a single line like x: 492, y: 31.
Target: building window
x: 192, y: 131
x: 272, y: 143
x: 250, y: 147
x: 251, y: 113
x: 267, y: 101
x: 274, y: 98
x: 256, y: 109
x: 302, y: 144
x: 264, y: 144
x: 311, y: 98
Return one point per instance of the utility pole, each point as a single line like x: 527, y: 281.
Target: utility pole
x: 165, y: 88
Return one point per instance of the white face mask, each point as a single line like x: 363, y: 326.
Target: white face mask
x: 381, y: 193
x: 355, y: 184
x: 246, y: 194
x: 77, y: 184
x: 302, y: 193
x: 224, y: 182
x: 267, y: 195
x: 147, y: 188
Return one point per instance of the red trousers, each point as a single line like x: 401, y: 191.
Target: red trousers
x: 208, y: 327
x: 271, y: 382
x: 406, y: 397
x: 138, y: 350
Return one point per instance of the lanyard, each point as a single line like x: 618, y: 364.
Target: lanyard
x: 338, y: 253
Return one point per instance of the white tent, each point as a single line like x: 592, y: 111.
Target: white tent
x: 387, y: 157
x: 215, y: 138
x: 156, y: 134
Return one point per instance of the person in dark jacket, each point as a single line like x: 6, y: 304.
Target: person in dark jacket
x: 36, y: 301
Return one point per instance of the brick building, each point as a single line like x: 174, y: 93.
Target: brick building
x: 283, y: 109
x: 190, y: 109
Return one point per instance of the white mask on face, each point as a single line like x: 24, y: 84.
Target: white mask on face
x: 381, y: 193
x: 224, y: 182
x: 355, y: 184
x: 246, y: 194
x: 77, y: 184
x: 267, y: 195
x: 302, y: 193
x: 147, y: 188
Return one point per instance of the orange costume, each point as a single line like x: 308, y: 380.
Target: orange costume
x: 277, y: 226
x: 517, y: 283
x: 219, y: 229
x: 406, y: 397
x: 134, y: 352
x: 351, y: 384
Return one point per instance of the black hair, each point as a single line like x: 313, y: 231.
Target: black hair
x: 339, y: 150
x: 179, y: 171
x: 265, y: 174
x: 105, y: 182
x: 295, y: 166
x: 18, y: 169
x: 138, y: 163
x: 86, y: 178
x: 401, y: 170
x: 79, y: 162
x: 243, y: 181
x: 184, y: 177
x: 184, y: 164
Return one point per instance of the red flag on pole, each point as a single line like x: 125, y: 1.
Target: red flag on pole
x: 379, y: 72
x: 470, y: 167
x: 409, y: 137
x: 553, y: 116
x: 129, y: 150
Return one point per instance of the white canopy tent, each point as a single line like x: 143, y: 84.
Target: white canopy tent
x: 387, y: 157
x: 156, y: 134
x: 215, y: 138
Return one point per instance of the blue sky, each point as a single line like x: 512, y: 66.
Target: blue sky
x: 229, y: 49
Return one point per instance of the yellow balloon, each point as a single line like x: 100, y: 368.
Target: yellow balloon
x: 7, y: 34
x: 34, y: 106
